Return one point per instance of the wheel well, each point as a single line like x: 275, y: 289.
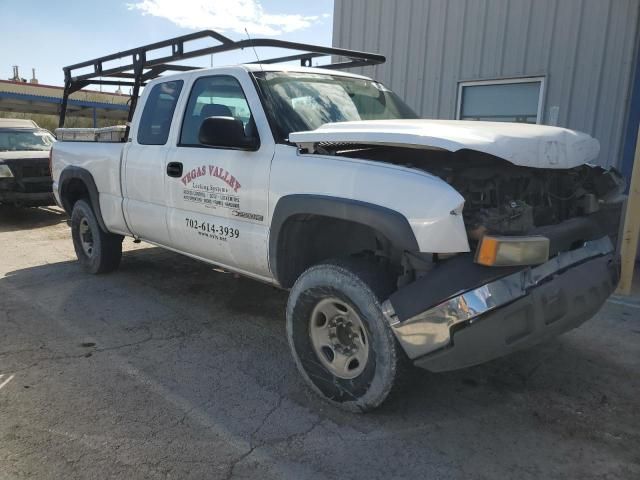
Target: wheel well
x: 73, y: 190
x: 306, y: 240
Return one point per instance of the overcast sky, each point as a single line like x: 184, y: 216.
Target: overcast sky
x: 48, y: 35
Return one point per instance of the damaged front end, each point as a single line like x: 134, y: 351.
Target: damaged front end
x: 462, y: 311
x: 488, y: 314
x: 542, y: 227
x: 454, y: 311
x: 505, y: 199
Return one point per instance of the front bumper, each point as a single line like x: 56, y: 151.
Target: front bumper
x: 30, y: 184
x: 512, y: 312
x: 27, y: 199
x: 34, y: 191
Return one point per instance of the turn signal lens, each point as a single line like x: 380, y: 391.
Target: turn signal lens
x: 487, y: 251
x: 5, y: 171
x: 512, y: 251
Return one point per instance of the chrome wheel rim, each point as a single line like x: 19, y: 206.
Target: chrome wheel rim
x: 339, y: 338
x: 86, y: 237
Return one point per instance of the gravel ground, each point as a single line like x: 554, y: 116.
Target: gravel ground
x: 168, y: 369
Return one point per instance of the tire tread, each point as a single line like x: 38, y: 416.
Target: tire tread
x: 379, y: 285
x: 110, y: 245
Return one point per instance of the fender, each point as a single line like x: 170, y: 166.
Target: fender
x: 73, y: 172
x: 390, y: 223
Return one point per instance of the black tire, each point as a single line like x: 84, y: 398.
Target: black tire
x: 106, y: 248
x: 361, y: 285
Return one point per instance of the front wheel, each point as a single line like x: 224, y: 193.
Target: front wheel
x: 339, y: 338
x: 97, y: 250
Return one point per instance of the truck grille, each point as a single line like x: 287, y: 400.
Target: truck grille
x: 29, y: 171
x: 29, y: 168
x: 30, y: 175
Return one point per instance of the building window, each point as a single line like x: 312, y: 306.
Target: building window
x: 511, y: 100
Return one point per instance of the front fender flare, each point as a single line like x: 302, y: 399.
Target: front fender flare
x: 390, y: 223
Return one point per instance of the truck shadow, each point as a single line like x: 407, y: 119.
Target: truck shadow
x: 214, y: 339
x: 23, y: 218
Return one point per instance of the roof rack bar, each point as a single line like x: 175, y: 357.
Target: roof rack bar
x: 140, y: 68
x: 175, y: 68
x: 349, y: 64
x: 120, y: 75
x: 154, y: 46
x: 179, y: 68
x: 115, y: 83
x: 369, y: 58
x: 301, y: 56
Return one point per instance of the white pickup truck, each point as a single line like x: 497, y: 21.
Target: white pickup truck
x: 442, y: 243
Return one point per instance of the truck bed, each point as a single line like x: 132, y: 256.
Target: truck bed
x: 103, y: 161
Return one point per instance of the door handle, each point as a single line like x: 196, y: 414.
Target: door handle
x: 174, y: 169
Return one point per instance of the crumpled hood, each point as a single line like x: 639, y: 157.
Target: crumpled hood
x: 20, y: 155
x: 537, y: 146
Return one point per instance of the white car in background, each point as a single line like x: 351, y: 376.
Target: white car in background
x: 25, y: 178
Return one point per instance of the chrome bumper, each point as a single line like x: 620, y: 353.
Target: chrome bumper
x: 431, y: 329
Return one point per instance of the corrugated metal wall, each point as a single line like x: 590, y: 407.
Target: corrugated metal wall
x: 584, y: 48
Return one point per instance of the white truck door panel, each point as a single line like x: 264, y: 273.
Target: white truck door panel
x: 217, y: 209
x: 143, y: 181
x: 144, y: 169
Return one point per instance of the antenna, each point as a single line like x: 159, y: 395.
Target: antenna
x: 254, y: 49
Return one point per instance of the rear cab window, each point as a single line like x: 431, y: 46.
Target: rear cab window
x: 157, y: 115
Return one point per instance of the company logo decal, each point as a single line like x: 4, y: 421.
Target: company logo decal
x: 212, y: 171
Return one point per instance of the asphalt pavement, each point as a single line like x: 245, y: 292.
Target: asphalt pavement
x: 169, y: 369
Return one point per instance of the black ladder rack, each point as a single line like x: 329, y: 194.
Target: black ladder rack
x: 137, y: 68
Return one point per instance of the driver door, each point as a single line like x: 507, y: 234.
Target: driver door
x: 217, y: 206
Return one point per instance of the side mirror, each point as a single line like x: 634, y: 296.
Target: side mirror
x: 226, y: 132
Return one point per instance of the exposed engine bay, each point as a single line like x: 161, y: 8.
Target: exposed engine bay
x: 505, y: 199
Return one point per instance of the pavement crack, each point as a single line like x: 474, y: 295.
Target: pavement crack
x: 266, y: 418
x: 253, y: 446
x: 236, y: 462
x: 24, y: 350
x: 289, y: 439
x: 125, y: 345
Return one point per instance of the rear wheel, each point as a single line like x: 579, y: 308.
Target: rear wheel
x: 339, y: 338
x: 97, y: 250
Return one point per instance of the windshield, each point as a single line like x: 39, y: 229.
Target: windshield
x: 298, y: 102
x: 25, y: 140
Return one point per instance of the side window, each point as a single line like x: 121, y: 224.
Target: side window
x: 219, y: 96
x: 155, y: 121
